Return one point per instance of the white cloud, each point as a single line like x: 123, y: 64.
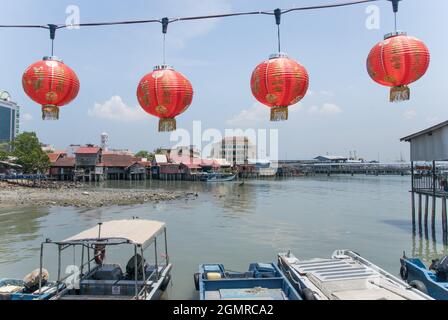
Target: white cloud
x: 250, y: 117
x: 410, y: 114
x: 325, y: 109
x: 116, y: 109
x: 27, y: 117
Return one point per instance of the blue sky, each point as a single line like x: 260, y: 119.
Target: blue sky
x: 344, y: 110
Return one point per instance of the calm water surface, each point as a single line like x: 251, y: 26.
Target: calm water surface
x: 238, y: 224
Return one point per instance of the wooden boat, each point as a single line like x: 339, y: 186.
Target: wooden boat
x: 14, y: 289
x: 262, y: 282
x: 98, y: 280
x: 219, y: 177
x: 345, y: 276
x: 432, y: 281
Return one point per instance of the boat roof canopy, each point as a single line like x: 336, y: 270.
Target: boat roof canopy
x: 136, y: 231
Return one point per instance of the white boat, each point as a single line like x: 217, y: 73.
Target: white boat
x: 219, y: 177
x: 345, y: 276
x: 99, y: 280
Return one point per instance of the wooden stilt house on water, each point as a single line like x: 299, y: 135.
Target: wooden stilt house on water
x: 429, y: 167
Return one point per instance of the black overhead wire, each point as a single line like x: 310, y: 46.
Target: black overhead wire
x: 224, y: 15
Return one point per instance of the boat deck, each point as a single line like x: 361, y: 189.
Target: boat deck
x: 94, y: 297
x: 348, y: 279
x: 246, y: 294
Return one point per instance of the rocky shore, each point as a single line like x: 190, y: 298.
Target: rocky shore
x: 80, y: 195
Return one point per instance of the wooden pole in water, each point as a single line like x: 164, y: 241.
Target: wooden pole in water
x: 426, y: 214
x: 433, y: 213
x: 413, y: 210
x: 420, y: 212
x: 412, y: 196
x: 444, y: 221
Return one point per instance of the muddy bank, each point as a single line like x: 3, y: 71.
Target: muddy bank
x: 79, y: 195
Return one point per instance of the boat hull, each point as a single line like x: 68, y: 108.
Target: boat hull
x: 414, y: 270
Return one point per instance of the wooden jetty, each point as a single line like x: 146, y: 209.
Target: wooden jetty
x: 429, y: 172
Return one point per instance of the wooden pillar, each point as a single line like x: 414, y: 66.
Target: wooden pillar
x: 420, y: 212
x: 413, y: 210
x: 444, y: 221
x: 426, y: 215
x: 433, y: 213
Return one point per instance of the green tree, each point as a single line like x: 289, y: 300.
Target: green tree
x: 27, y: 148
x: 4, y: 154
x: 145, y: 154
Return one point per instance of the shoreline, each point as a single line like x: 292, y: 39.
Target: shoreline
x: 81, y: 196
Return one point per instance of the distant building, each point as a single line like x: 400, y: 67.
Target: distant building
x: 191, y: 150
x: 63, y: 168
x: 9, y: 118
x: 48, y: 148
x: 331, y: 159
x: 55, y: 156
x: 71, y: 149
x: 88, y: 163
x: 104, y: 141
x: 123, y: 152
x: 236, y: 150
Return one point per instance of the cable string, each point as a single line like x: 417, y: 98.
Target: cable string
x: 278, y: 36
x: 395, y: 20
x: 164, y: 49
x: 223, y: 15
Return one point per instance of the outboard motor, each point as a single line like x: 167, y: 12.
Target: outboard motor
x: 440, y: 267
x: 130, y: 267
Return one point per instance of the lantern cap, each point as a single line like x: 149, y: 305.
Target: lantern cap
x: 51, y: 58
x: 163, y: 67
x: 395, y: 34
x: 278, y: 55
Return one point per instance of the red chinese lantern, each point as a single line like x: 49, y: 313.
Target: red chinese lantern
x: 279, y: 83
x: 398, y: 61
x: 51, y: 84
x: 165, y: 93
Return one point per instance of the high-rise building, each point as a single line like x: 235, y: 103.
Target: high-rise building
x: 236, y: 150
x: 9, y: 118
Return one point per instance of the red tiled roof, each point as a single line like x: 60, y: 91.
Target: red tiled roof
x: 55, y: 156
x: 191, y: 166
x: 87, y: 150
x: 118, y: 160
x: 64, y: 162
x: 185, y: 160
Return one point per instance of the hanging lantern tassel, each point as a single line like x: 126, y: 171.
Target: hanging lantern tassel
x: 50, y: 112
x: 400, y: 93
x: 279, y: 113
x: 167, y: 124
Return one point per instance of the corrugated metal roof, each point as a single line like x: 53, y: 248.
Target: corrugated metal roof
x: 160, y: 158
x: 425, y: 131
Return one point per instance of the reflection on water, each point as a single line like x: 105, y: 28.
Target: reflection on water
x: 236, y: 224
x: 427, y: 249
x: 18, y: 229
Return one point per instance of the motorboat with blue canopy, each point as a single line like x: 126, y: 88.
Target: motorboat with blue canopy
x: 263, y: 281
x: 99, y: 279
x: 345, y: 276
